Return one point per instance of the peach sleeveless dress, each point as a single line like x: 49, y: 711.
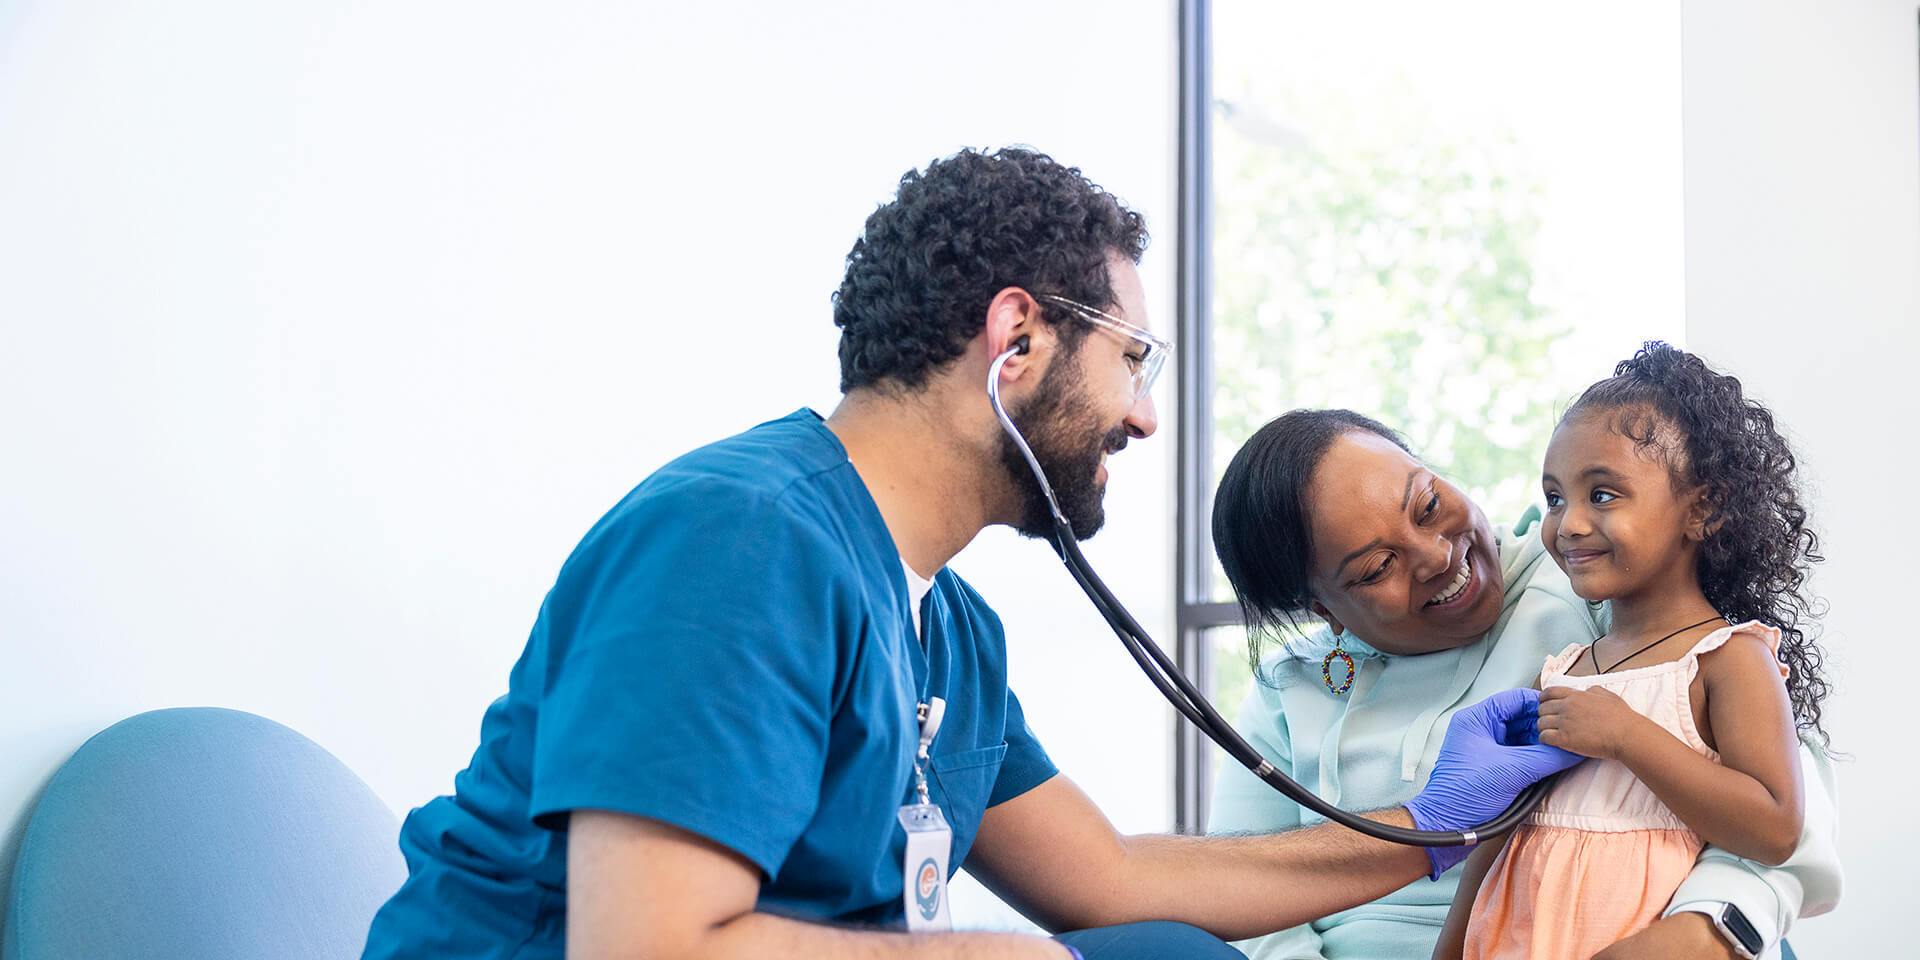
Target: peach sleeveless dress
x: 1602, y: 855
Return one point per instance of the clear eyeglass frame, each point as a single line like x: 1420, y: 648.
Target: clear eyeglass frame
x: 1153, y: 350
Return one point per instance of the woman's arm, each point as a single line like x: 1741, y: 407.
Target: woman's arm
x: 1772, y: 898
x: 1750, y: 803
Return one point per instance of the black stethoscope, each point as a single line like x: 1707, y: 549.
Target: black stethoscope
x: 1187, y: 698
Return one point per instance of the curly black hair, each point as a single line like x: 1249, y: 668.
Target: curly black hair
x: 1754, y: 563
x: 921, y: 275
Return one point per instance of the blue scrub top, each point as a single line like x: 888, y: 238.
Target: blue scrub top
x: 728, y: 650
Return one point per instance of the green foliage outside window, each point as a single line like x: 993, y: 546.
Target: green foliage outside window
x: 1386, y: 268
x: 1384, y: 264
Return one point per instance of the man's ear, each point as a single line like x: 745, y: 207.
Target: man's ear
x: 1013, y: 320
x: 1333, y: 623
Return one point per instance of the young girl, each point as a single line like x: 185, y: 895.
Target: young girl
x: 1672, y: 496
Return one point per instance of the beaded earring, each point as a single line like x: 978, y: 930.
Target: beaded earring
x: 1326, y: 669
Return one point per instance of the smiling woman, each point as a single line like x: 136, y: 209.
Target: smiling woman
x: 1400, y: 555
x: 1328, y: 515
x: 1389, y: 549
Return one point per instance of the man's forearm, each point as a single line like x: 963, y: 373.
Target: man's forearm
x: 1239, y: 887
x: 762, y: 935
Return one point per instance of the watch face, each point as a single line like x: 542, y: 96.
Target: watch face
x: 1736, y: 924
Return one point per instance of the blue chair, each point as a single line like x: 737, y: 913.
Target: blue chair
x: 201, y: 833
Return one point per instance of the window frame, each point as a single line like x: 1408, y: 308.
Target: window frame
x: 1194, y: 610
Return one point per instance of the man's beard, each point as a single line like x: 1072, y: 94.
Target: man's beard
x: 1067, y: 439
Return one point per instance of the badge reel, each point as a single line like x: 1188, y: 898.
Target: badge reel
x: 929, y: 839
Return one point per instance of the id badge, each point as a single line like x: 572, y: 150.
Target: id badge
x: 924, y: 869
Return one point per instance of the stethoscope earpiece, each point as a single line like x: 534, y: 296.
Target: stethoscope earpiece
x: 1021, y: 345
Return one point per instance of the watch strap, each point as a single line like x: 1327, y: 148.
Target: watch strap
x: 1732, y: 925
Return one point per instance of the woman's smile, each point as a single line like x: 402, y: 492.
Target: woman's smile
x: 1407, y: 562
x: 1460, y: 589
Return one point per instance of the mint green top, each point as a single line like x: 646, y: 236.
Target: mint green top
x: 1374, y: 746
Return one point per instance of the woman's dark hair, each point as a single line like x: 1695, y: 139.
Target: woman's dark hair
x: 1755, y: 560
x: 920, y: 277
x: 1261, y: 527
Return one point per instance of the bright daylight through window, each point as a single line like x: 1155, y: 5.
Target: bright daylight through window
x: 1448, y: 217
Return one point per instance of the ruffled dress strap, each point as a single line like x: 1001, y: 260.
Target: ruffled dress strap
x: 1559, y: 662
x: 1717, y: 639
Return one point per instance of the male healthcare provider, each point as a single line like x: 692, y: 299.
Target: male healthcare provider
x: 757, y: 716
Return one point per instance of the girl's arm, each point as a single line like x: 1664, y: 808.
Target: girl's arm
x: 1453, y: 934
x: 1750, y: 803
x: 1807, y: 885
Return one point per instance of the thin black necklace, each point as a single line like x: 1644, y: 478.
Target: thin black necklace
x: 1650, y: 646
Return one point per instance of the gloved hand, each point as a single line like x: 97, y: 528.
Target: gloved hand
x: 1491, y: 753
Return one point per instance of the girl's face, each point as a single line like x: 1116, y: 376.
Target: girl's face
x: 1400, y: 557
x: 1614, y: 521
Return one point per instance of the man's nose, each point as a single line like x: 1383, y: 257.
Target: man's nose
x: 1142, y: 420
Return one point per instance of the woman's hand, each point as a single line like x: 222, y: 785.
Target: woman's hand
x: 1593, y: 722
x: 1681, y: 935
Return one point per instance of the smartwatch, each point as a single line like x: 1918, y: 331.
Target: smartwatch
x: 1733, y: 926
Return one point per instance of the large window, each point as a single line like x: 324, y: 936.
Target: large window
x: 1450, y: 217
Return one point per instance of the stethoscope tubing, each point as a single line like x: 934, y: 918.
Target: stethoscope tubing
x: 1187, y: 699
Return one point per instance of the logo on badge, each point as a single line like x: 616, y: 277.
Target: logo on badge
x: 927, y: 891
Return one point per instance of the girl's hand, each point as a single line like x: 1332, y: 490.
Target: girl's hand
x: 1593, y: 722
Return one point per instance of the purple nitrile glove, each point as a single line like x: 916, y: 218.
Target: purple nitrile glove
x: 1491, y: 753
x: 1523, y: 728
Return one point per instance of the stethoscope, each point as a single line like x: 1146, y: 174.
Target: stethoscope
x: 1187, y: 699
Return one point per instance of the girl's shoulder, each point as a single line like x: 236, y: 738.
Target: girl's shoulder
x: 1759, y: 635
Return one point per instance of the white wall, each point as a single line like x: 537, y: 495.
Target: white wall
x: 326, y: 330
x: 1802, y: 141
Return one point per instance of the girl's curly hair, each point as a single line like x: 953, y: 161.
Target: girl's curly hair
x: 1754, y: 563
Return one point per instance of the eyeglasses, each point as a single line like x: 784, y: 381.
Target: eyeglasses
x: 1145, y: 363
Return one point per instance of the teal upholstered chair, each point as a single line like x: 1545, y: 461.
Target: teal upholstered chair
x: 201, y: 833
